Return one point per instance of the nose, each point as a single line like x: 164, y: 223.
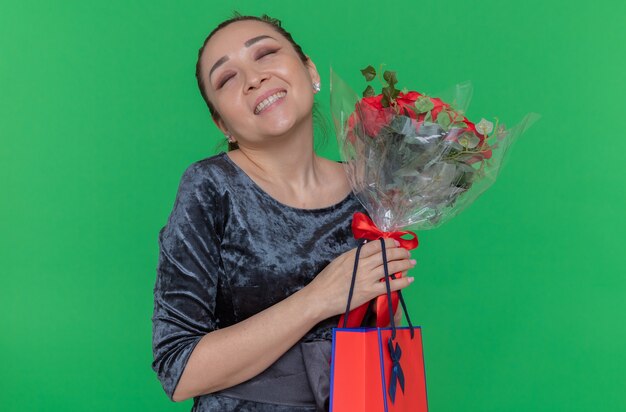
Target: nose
x: 254, y: 78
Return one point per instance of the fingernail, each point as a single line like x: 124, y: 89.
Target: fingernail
x: 413, y: 261
x: 397, y: 243
x: 411, y: 279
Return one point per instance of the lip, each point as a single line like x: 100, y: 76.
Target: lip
x: 266, y: 95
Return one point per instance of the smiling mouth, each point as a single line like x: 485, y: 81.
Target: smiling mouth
x: 268, y: 101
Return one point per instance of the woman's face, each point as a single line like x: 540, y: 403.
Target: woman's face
x: 243, y: 64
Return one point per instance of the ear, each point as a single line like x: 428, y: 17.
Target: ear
x: 315, y: 76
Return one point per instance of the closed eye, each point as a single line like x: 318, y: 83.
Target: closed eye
x: 224, y: 81
x: 266, y: 52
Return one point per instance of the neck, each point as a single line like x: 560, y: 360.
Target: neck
x: 289, y: 160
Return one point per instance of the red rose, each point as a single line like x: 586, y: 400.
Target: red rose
x: 371, y: 114
x: 374, y: 101
x: 406, y: 101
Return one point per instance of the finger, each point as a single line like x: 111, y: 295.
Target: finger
x: 395, y: 253
x: 392, y: 267
x: 402, y: 274
x: 374, y: 246
x: 394, y: 284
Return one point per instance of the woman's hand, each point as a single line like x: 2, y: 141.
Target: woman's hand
x: 330, y: 288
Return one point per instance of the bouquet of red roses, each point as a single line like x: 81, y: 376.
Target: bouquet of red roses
x: 414, y: 161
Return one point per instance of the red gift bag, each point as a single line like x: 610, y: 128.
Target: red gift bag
x: 377, y: 369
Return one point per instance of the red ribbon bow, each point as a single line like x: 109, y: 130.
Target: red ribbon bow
x: 364, y: 228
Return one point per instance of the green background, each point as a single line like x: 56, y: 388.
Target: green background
x: 521, y: 297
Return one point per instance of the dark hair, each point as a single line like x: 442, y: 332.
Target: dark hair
x: 276, y: 25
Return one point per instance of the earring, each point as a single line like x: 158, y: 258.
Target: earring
x: 229, y: 137
x: 316, y: 86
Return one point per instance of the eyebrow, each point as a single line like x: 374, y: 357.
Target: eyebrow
x: 248, y: 43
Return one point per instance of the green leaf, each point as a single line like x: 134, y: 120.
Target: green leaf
x: 469, y: 140
x: 458, y: 114
x: 428, y: 117
x: 369, y: 72
x: 423, y: 104
x: 443, y: 119
x: 390, y: 77
x: 459, y: 125
x: 369, y: 91
x: 390, y: 92
x: 384, y: 101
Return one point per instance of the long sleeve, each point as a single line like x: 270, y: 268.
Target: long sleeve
x: 185, y: 291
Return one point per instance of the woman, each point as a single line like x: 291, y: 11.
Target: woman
x: 257, y: 255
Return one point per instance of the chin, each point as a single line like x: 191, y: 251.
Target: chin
x: 281, y: 126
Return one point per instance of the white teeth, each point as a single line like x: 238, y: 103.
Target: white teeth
x: 271, y: 99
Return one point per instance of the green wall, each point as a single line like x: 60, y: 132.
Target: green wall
x: 521, y: 297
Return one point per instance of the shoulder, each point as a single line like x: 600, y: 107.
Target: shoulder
x: 200, y: 195
x: 208, y: 176
x: 201, y: 184
x: 205, y: 170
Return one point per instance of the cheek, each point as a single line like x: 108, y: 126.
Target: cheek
x: 230, y: 105
x: 293, y: 70
x: 229, y: 116
x: 301, y: 86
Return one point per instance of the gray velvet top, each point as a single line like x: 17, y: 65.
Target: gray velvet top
x: 228, y: 251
